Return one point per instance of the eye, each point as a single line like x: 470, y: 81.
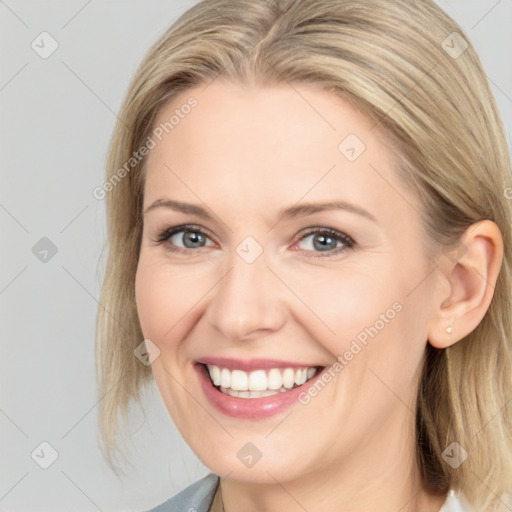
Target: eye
x: 325, y: 240
x: 189, y: 236
x: 319, y: 240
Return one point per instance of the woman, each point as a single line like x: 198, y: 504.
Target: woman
x: 309, y: 229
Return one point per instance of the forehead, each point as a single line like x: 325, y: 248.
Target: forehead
x: 280, y: 143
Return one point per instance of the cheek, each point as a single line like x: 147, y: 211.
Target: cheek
x: 160, y: 300
x: 369, y: 319
x: 347, y: 302
x: 170, y: 300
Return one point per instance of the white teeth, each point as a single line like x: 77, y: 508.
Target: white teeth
x: 257, y: 380
x: 301, y: 376
x: 258, y: 383
x: 274, y: 379
x: 215, y: 375
x: 239, y: 380
x: 248, y: 394
x: 225, y: 378
x: 288, y: 378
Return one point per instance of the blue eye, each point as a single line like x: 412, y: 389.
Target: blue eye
x: 328, y: 241
x: 192, y: 237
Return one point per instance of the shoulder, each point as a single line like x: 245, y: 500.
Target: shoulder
x: 197, y: 497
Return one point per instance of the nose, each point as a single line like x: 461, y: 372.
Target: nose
x: 247, y: 302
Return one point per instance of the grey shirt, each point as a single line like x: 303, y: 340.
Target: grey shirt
x: 198, y: 497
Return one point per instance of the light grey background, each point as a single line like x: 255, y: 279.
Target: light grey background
x: 57, y: 117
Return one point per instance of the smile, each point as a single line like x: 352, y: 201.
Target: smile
x: 253, y: 389
x: 258, y: 383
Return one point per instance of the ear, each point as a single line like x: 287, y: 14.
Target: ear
x: 468, y: 278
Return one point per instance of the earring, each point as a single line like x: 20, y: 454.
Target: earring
x: 449, y: 330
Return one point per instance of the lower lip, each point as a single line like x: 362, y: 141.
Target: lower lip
x: 249, y: 408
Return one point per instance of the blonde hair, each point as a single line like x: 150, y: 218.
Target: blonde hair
x: 399, y: 63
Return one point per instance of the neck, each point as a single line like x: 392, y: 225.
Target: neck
x: 233, y: 497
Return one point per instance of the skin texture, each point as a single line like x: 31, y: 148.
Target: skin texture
x: 244, y: 153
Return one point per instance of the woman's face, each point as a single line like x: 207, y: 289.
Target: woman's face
x: 301, y: 251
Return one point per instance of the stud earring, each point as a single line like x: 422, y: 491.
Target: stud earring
x: 449, y: 330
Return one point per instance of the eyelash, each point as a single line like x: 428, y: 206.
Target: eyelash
x: 347, y: 241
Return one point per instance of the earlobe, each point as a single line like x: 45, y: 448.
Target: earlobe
x: 471, y: 273
x: 443, y: 338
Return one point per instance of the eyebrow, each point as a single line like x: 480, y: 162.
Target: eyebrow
x: 297, y: 210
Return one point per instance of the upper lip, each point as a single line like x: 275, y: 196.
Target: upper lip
x: 252, y: 364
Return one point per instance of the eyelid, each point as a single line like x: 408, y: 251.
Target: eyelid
x: 164, y: 234
x: 347, y: 240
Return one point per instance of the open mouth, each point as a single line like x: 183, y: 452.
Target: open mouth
x: 259, y: 383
